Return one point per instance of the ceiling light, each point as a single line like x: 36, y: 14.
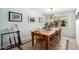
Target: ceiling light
x: 51, y: 13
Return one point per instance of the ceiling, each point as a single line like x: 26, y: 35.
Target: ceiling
x: 55, y: 10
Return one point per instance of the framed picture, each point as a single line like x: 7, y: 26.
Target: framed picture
x: 40, y: 19
x: 15, y: 17
x: 64, y: 21
x: 31, y: 19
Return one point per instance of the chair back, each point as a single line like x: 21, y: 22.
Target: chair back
x: 37, y: 35
x: 57, y: 32
x: 53, y: 35
x: 60, y: 31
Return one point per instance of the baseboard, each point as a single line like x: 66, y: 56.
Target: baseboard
x: 68, y: 36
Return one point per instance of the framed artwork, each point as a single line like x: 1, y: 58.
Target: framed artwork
x: 40, y: 19
x: 15, y: 17
x: 63, y: 21
x: 31, y: 19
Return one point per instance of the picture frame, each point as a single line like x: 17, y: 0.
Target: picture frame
x: 31, y: 19
x: 15, y: 17
x: 40, y: 19
x: 63, y: 21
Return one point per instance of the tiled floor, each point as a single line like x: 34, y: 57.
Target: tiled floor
x: 60, y: 46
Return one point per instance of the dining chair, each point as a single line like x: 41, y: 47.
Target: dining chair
x: 52, y: 40
x: 59, y: 34
x: 55, y: 38
x: 40, y: 41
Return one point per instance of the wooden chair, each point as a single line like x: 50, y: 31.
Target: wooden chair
x: 53, y: 39
x: 59, y: 34
x: 39, y: 39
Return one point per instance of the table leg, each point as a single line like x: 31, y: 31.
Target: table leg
x: 47, y: 43
x: 32, y: 39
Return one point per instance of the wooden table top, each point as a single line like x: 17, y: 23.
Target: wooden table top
x: 48, y: 32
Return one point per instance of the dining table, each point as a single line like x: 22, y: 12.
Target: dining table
x: 46, y: 34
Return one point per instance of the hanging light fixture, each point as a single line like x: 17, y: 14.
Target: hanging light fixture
x: 51, y: 13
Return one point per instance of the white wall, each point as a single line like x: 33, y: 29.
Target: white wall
x: 25, y: 27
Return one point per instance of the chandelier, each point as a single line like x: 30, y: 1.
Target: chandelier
x: 51, y: 13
